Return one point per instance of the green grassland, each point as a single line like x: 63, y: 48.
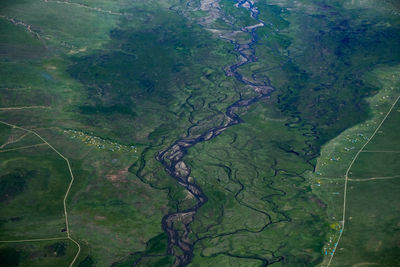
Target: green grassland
x: 109, y: 84
x: 107, y: 204
x: 371, y: 219
x: 371, y: 234
x: 326, y: 97
x: 29, y: 180
x: 43, y: 253
x: 34, y: 183
x: 371, y: 231
x: 371, y: 165
x: 257, y: 194
x: 104, y: 192
x: 329, y: 92
x: 34, y: 179
x: 386, y: 138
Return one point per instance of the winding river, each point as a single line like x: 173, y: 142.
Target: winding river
x: 172, y: 158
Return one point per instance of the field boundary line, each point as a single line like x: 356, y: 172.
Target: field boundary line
x: 12, y: 141
x: 26, y: 107
x: 380, y: 151
x: 98, y: 9
x: 347, y: 176
x: 23, y: 147
x: 373, y: 178
x: 330, y: 178
x: 32, y: 240
x: 69, y: 187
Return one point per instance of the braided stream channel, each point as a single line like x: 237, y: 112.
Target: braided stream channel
x: 172, y: 158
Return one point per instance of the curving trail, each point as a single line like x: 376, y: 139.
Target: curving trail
x: 172, y: 158
x: 65, y: 196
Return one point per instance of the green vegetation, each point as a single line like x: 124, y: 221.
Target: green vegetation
x: 144, y: 77
x: 154, y: 255
x: 43, y: 253
x: 110, y: 84
x: 371, y: 165
x: 258, y: 194
x: 14, y: 183
x: 87, y: 262
x: 330, y: 92
x: 386, y: 138
x: 370, y: 234
x: 32, y: 191
x: 371, y: 231
x: 239, y: 17
x: 371, y: 204
x: 9, y: 257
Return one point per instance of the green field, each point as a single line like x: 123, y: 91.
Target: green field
x: 104, y: 86
x: 372, y: 212
x: 369, y: 236
x: 43, y: 253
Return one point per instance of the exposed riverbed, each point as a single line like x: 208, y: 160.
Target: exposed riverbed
x: 172, y: 158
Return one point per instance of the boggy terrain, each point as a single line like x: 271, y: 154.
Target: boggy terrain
x: 191, y: 127
x: 172, y: 157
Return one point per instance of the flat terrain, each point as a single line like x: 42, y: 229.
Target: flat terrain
x: 373, y: 197
x: 365, y: 153
x: 199, y: 133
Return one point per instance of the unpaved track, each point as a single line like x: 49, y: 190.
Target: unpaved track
x: 373, y: 178
x: 27, y: 107
x: 22, y: 147
x: 32, y: 240
x: 66, y: 193
x: 347, y: 176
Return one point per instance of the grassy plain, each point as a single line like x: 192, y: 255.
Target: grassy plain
x: 369, y: 235
x: 373, y: 222
x: 253, y: 177
x: 155, y: 93
x: 42, y: 253
x: 111, y: 83
x: 35, y: 77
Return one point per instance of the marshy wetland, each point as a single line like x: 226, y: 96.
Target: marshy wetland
x: 199, y: 133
